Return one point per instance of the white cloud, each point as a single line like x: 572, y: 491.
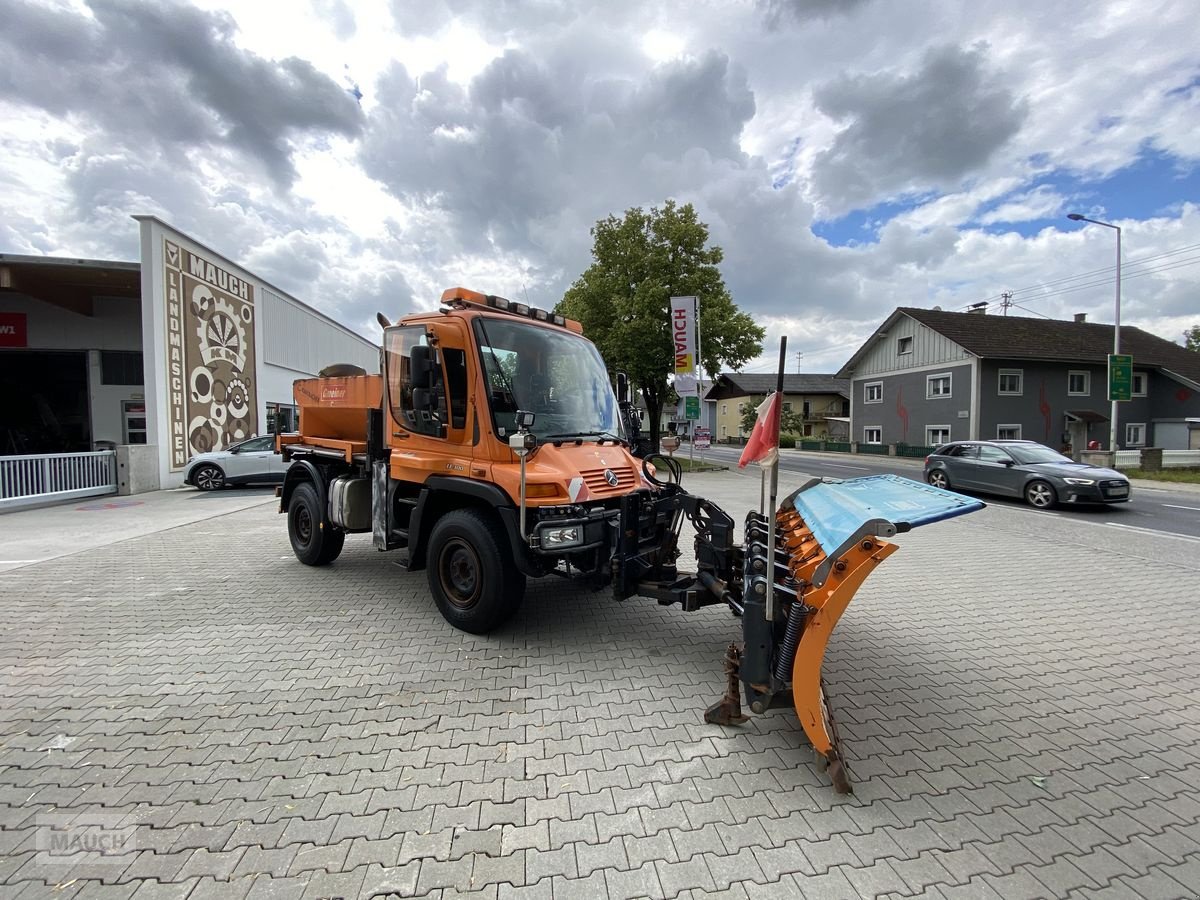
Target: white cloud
x: 491, y: 135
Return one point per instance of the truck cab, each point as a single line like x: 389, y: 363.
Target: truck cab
x: 490, y: 449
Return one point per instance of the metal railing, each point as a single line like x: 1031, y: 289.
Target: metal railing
x: 25, y: 480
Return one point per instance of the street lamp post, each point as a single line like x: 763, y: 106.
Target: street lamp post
x: 1076, y: 217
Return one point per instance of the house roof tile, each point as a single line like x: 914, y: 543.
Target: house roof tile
x: 1021, y: 337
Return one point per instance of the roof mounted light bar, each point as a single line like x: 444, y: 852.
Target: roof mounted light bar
x: 503, y: 304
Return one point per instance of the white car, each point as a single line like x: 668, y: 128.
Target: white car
x: 251, y: 461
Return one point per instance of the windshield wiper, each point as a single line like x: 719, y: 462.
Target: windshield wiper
x: 584, y: 435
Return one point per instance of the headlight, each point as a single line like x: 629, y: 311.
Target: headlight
x: 570, y: 536
x: 1079, y: 480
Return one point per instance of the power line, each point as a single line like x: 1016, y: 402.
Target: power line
x: 1130, y: 269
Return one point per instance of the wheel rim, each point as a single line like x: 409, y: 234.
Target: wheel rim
x: 1039, y: 495
x: 208, y: 478
x: 938, y: 480
x: 304, y: 525
x: 458, y: 570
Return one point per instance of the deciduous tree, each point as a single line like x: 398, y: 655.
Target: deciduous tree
x: 1191, y: 338
x: 640, y: 261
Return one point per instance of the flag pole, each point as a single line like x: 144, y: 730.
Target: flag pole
x: 769, y: 605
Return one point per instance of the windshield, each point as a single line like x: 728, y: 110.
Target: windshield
x: 1036, y: 453
x: 551, y: 372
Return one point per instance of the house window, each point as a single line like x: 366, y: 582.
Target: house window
x: 1139, y: 384
x: 873, y: 434
x: 873, y: 392
x: 1008, y: 432
x: 903, y: 346
x: 1079, y: 384
x: 724, y: 409
x: 936, y: 435
x: 1010, y: 382
x: 787, y: 407
x: 937, y: 386
x: 1135, y: 434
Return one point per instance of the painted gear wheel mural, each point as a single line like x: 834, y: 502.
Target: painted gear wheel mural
x: 221, y: 331
x: 237, y: 397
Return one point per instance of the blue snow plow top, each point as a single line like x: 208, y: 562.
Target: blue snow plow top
x: 841, y: 513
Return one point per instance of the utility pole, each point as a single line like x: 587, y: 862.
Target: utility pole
x: 799, y: 355
x: 1006, y: 301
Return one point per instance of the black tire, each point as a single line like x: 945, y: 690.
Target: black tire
x: 314, y: 541
x: 1040, y: 494
x: 938, y: 479
x: 208, y: 478
x: 471, y: 573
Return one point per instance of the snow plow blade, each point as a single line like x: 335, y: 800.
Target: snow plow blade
x: 829, y: 536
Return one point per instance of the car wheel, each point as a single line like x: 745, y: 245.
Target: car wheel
x: 471, y: 575
x: 938, y: 479
x: 314, y: 541
x: 208, y: 478
x: 1040, y: 494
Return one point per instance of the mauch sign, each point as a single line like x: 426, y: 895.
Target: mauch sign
x: 211, y: 395
x: 683, y: 333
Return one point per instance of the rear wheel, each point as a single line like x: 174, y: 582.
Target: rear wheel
x: 314, y: 541
x: 938, y: 479
x: 1040, y: 494
x: 471, y: 574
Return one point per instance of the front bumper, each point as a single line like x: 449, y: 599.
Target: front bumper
x: 1107, y: 491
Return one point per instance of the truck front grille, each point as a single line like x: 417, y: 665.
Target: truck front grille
x: 598, y: 484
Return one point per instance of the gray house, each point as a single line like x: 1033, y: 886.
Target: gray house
x: 928, y: 376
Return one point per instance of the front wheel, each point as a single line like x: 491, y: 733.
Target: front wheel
x: 471, y: 574
x: 1040, y: 494
x: 208, y: 478
x: 314, y: 541
x: 938, y: 479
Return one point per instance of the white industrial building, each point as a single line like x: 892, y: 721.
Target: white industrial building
x: 182, y: 352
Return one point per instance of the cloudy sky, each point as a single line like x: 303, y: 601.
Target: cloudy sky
x: 850, y: 156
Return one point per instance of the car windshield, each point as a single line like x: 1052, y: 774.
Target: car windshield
x: 551, y: 372
x: 1036, y: 453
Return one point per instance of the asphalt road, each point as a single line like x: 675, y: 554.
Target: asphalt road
x: 1168, y: 511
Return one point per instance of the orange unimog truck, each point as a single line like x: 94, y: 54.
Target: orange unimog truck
x: 493, y: 448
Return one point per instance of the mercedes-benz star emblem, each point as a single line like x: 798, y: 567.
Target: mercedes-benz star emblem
x: 611, y: 477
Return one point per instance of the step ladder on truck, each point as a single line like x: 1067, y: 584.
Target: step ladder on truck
x: 493, y: 448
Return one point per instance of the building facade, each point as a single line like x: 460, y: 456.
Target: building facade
x: 818, y: 405
x: 928, y: 376
x: 184, y: 351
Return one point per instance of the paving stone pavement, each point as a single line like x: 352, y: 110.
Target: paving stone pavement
x: 1016, y: 694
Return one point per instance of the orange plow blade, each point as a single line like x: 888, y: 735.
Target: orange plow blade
x: 828, y: 537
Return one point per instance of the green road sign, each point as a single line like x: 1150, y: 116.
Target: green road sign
x: 1120, y: 376
x: 691, y: 407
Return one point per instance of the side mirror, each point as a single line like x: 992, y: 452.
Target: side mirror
x: 421, y: 363
x: 622, y: 387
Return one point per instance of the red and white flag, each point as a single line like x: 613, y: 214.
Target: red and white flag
x: 763, y: 446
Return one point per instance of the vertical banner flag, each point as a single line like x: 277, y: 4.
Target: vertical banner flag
x: 763, y: 446
x: 683, y: 333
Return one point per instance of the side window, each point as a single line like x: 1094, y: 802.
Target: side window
x: 993, y: 454
x: 456, y: 383
x: 404, y: 395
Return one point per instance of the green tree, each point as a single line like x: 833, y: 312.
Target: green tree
x: 623, y: 299
x: 790, y: 421
x: 1191, y: 338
